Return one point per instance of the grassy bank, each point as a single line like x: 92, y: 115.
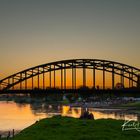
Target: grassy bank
x: 63, y: 128
x: 135, y: 104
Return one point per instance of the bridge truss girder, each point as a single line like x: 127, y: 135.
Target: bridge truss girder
x: 125, y: 71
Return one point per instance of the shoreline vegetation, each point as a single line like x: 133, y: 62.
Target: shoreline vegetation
x: 66, y: 128
x: 128, y: 103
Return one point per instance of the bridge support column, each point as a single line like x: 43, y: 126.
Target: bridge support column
x: 61, y: 77
x: 103, y: 77
x: 9, y: 80
x: 50, y: 76
x: 12, y: 83
x: 25, y: 80
x: 129, y: 80
x: 84, y: 76
x: 32, y: 80
x: 65, y: 76
x: 122, y: 78
x: 38, y: 78
x: 43, y: 79
x: 132, y: 77
x: 113, y: 78
x: 54, y: 76
x: 94, y: 77
x: 73, y: 77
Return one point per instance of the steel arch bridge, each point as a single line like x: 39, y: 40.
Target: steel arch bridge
x: 132, y: 74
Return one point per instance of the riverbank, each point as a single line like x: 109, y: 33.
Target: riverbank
x: 65, y: 128
x: 134, y: 104
x: 127, y: 107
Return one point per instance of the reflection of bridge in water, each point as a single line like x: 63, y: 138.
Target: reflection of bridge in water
x: 66, y: 74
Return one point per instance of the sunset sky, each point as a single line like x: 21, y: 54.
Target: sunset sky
x: 34, y: 32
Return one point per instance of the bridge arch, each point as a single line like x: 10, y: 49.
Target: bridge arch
x: 115, y: 68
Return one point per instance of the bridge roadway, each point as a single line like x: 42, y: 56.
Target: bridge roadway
x: 116, y: 92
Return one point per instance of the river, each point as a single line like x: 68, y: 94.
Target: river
x: 18, y: 116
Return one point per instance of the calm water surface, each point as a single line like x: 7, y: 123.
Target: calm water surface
x: 15, y: 116
x: 19, y: 116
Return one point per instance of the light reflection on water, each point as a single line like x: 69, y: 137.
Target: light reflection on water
x: 99, y: 113
x: 19, y: 116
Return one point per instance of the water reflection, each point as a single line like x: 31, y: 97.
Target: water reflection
x: 99, y: 113
x: 15, y: 116
x: 19, y: 116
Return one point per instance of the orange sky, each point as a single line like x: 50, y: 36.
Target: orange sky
x: 39, y: 32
